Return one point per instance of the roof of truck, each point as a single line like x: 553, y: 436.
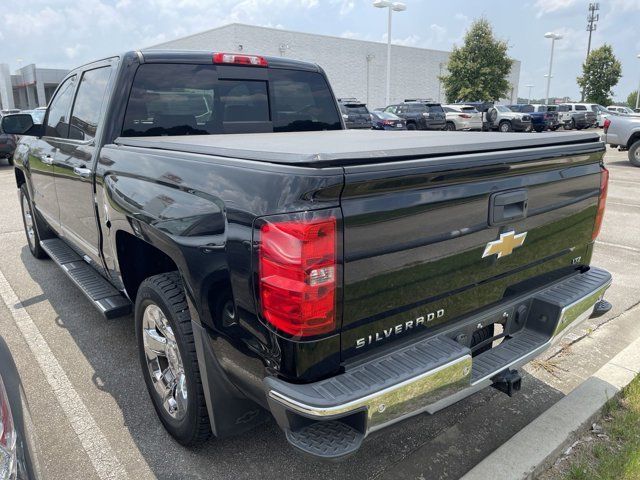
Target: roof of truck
x: 340, y: 147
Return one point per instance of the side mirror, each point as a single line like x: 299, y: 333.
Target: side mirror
x: 19, y: 124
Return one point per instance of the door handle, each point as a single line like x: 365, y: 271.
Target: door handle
x: 82, y: 171
x: 508, y: 206
x: 47, y: 160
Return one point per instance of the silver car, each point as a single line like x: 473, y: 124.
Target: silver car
x: 623, y: 131
x: 462, y: 117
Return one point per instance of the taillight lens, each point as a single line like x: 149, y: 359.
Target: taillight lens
x: 297, y: 274
x: 7, y: 434
x: 237, y: 59
x: 464, y: 115
x: 607, y: 122
x: 602, y: 200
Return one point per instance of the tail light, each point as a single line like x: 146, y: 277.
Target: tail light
x: 464, y: 115
x: 236, y: 59
x: 297, y: 260
x: 389, y: 122
x: 602, y: 200
x: 7, y: 435
x: 607, y: 122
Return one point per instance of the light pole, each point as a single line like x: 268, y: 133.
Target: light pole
x: 553, y: 37
x: 393, y: 7
x: 529, y: 87
x: 638, y: 92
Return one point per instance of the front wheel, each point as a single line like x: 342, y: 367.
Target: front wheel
x: 411, y: 126
x: 505, y: 126
x: 29, y: 220
x: 168, y: 358
x: 634, y: 154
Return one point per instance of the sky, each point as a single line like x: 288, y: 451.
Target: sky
x: 68, y: 33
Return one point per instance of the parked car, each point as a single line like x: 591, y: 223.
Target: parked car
x: 386, y: 121
x: 7, y: 145
x: 541, y: 119
x: 420, y: 115
x: 552, y: 116
x: 462, y: 117
x: 570, y: 118
x: 591, y: 117
x: 623, y: 132
x: 18, y: 446
x: 621, y: 109
x: 483, y: 108
x: 354, y: 113
x: 276, y: 264
x: 503, y: 119
x: 601, y: 113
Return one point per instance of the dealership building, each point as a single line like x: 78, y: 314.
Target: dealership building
x: 29, y: 87
x: 355, y: 68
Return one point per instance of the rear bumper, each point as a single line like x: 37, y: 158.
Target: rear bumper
x: 429, y: 374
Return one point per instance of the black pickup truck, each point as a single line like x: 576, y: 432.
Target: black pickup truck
x: 277, y: 264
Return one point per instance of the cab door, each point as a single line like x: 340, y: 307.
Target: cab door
x: 73, y: 166
x: 44, y: 151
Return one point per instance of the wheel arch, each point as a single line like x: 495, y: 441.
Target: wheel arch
x: 635, y: 136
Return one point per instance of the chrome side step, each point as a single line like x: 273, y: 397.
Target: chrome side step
x: 104, y: 296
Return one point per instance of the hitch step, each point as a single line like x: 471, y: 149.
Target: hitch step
x: 329, y: 439
x: 600, y: 308
x: 508, y: 381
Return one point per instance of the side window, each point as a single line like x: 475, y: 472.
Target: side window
x: 88, y: 104
x: 391, y: 109
x: 580, y: 107
x: 58, y: 115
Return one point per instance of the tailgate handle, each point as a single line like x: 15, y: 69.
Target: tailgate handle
x: 508, y: 206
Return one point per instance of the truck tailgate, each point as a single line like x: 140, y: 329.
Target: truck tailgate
x: 417, y: 233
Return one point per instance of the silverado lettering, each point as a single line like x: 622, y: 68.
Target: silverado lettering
x: 218, y: 199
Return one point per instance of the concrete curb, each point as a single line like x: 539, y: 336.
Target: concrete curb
x: 535, y: 447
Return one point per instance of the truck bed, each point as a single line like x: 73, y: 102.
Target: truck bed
x: 351, y: 147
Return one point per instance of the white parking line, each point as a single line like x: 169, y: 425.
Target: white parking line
x: 624, y: 247
x: 91, y: 437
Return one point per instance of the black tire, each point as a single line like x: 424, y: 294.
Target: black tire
x: 634, y: 153
x: 33, y: 231
x: 572, y: 125
x: 167, y: 292
x: 538, y: 129
x: 10, y: 160
x: 411, y: 126
x: 450, y: 126
x: 505, y: 126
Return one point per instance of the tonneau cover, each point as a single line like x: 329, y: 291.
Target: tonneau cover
x: 342, y: 147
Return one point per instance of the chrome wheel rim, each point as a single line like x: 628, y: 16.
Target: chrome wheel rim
x: 28, y: 221
x: 164, y: 362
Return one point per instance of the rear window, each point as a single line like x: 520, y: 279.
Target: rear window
x: 356, y: 109
x: 434, y: 109
x: 178, y: 99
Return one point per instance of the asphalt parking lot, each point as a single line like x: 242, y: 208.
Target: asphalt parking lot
x: 85, y: 388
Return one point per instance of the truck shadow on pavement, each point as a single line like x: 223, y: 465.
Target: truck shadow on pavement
x: 445, y: 445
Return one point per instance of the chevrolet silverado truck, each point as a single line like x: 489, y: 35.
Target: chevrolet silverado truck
x: 280, y: 266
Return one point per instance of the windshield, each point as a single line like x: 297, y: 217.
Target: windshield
x: 182, y: 99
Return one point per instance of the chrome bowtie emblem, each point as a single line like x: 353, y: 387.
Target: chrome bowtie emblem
x: 505, y: 245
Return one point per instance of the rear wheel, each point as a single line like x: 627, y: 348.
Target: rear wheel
x: 450, y: 126
x: 411, y: 126
x: 505, y: 126
x: 538, y: 129
x: 168, y: 358
x: 29, y: 220
x: 634, y: 154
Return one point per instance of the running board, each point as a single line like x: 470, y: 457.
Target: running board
x: 104, y: 296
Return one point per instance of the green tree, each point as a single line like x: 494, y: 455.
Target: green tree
x: 632, y: 98
x: 601, y: 71
x: 479, y: 70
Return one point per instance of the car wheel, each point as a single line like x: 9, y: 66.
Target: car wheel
x: 634, y: 154
x: 538, y: 129
x: 168, y: 358
x: 411, y: 126
x: 505, y: 126
x: 30, y: 222
x: 450, y: 126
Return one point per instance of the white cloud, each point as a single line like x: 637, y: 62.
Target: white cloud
x: 550, y: 6
x: 625, y: 5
